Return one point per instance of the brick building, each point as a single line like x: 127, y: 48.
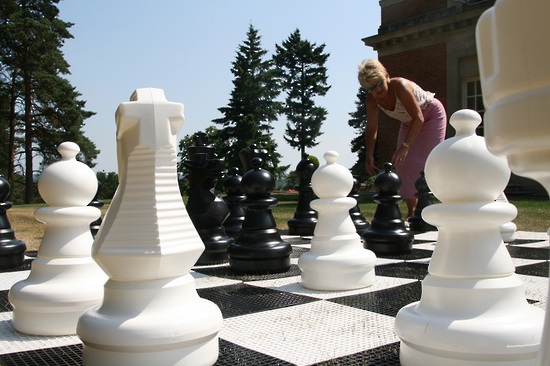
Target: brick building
x: 432, y: 42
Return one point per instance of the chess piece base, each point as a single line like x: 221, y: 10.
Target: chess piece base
x: 12, y: 252
x: 56, y: 293
x: 417, y: 225
x: 215, y: 251
x: 161, y: 322
x: 470, y: 322
x: 412, y: 357
x: 302, y: 226
x: 340, y: 264
x: 260, y: 251
x: 202, y: 354
x: 272, y: 265
x: 208, y: 258
x: 396, y: 243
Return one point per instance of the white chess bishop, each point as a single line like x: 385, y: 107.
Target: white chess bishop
x: 64, y: 280
x: 473, y: 310
x: 337, y: 259
x: 151, y: 313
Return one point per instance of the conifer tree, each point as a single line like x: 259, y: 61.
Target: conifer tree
x: 252, y: 108
x: 40, y: 108
x: 303, y: 76
x: 358, y: 121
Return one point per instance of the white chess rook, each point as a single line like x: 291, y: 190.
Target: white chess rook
x: 151, y: 313
x: 64, y: 280
x: 473, y: 310
x: 513, y: 46
x: 337, y: 259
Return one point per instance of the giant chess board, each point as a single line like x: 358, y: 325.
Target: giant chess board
x: 273, y: 320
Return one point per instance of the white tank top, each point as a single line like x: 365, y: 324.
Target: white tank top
x: 423, y: 98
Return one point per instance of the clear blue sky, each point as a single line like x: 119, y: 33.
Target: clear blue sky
x: 186, y: 47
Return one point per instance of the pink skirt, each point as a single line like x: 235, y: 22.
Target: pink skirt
x: 430, y: 135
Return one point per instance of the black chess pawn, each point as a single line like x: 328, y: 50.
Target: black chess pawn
x: 95, y: 225
x: 206, y: 208
x: 259, y: 247
x: 361, y: 224
x: 424, y: 195
x: 388, y: 234
x: 305, y: 218
x: 232, y: 186
x: 12, y: 250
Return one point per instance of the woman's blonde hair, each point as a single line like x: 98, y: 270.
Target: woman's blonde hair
x: 370, y: 72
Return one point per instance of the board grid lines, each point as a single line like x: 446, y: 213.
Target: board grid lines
x: 271, y: 319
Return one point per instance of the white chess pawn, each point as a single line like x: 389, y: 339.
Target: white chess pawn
x: 473, y: 309
x: 151, y: 313
x: 508, y: 230
x: 64, y: 280
x: 337, y: 259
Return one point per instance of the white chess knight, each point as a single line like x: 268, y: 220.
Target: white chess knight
x: 513, y: 45
x: 473, y: 310
x: 337, y: 259
x: 64, y: 280
x: 151, y: 313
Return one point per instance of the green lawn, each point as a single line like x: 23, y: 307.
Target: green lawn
x: 533, y: 215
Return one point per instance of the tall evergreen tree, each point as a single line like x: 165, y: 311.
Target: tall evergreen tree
x: 303, y: 76
x: 358, y: 121
x: 252, y: 108
x: 40, y: 108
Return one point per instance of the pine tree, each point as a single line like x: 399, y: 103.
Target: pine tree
x: 252, y: 107
x: 303, y: 77
x: 42, y: 108
x: 358, y: 121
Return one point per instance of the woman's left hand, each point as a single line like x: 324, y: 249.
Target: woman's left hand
x: 399, y: 156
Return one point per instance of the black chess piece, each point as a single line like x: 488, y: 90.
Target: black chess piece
x: 424, y: 195
x: 246, y: 156
x: 305, y: 218
x: 206, y: 208
x: 95, y: 225
x: 361, y: 224
x: 259, y: 247
x: 388, y: 234
x: 12, y: 250
x: 232, y: 186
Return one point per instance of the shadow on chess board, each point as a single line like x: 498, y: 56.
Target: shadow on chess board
x: 270, y: 319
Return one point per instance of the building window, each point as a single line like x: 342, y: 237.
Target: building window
x: 473, y: 99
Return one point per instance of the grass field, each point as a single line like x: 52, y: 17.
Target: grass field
x: 533, y: 215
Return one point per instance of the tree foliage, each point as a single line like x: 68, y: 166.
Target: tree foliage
x: 107, y: 185
x: 40, y: 108
x: 358, y: 121
x: 303, y: 76
x: 252, y: 108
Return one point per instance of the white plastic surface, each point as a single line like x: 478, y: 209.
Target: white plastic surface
x: 337, y: 259
x: 507, y: 230
x: 513, y: 45
x: 473, y: 310
x: 64, y: 280
x: 151, y: 313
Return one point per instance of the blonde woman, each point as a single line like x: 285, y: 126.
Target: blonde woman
x: 422, y: 118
